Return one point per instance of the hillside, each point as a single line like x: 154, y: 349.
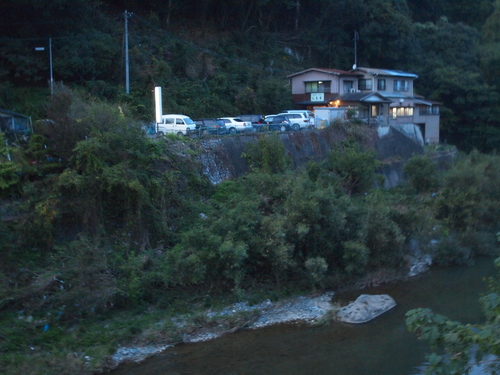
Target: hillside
x: 231, y: 57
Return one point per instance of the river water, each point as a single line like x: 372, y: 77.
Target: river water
x: 383, y: 346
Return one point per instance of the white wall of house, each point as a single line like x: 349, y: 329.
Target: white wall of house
x: 298, y: 82
x: 389, y: 85
x: 430, y: 124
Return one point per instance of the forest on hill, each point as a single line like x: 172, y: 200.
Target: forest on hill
x: 216, y: 58
x: 107, y: 233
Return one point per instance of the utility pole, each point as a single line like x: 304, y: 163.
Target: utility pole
x: 51, y: 83
x: 127, y: 15
x: 356, y: 38
x: 51, y: 75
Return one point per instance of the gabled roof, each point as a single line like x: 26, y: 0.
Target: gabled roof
x: 373, y: 97
x: 386, y: 72
x: 335, y: 72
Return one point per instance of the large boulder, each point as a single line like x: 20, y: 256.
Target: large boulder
x: 365, y: 308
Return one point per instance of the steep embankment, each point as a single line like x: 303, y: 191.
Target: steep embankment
x: 222, y: 157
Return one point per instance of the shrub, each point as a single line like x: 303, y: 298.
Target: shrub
x: 422, y: 173
x: 356, y: 257
x: 316, y: 267
x: 470, y: 197
x: 449, y: 250
x: 355, y: 167
x: 268, y: 155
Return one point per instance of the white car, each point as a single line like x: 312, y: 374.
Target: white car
x: 300, y: 119
x: 236, y: 125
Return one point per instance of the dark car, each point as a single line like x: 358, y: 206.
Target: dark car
x: 206, y: 126
x: 278, y: 123
x: 256, y: 120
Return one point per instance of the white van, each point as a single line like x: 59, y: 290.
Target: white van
x: 177, y: 124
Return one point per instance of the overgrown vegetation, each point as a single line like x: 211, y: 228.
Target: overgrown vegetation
x: 124, y: 222
x: 103, y: 228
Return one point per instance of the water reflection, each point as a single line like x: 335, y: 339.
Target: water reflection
x: 383, y: 346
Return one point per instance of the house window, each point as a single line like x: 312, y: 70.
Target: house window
x: 318, y: 86
x: 348, y: 86
x: 401, y: 112
x: 365, y: 84
x: 425, y: 110
x: 400, y: 85
x: 429, y: 110
x: 381, y: 84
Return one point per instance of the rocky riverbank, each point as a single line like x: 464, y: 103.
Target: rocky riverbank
x: 307, y: 309
x: 304, y: 309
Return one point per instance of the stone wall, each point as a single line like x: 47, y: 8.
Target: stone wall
x: 222, y: 157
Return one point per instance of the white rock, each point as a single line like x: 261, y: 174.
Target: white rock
x: 365, y: 308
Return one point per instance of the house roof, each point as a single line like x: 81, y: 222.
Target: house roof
x: 364, y: 97
x: 386, y: 72
x: 335, y: 72
x: 426, y: 102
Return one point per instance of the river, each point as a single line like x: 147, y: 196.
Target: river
x: 382, y: 346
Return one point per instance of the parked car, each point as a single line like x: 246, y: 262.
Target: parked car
x: 210, y: 126
x: 236, y: 125
x: 178, y: 124
x: 301, y: 119
x: 278, y: 123
x: 256, y: 120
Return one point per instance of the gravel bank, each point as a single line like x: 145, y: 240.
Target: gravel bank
x: 298, y: 309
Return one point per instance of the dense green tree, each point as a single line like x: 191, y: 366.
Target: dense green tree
x: 490, y: 48
x: 422, y: 172
x: 447, y: 61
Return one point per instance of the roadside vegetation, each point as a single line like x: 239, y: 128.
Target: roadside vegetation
x: 106, y: 238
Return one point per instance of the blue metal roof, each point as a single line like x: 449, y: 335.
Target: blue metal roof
x: 388, y: 72
x: 7, y: 113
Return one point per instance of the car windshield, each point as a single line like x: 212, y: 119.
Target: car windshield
x: 188, y: 121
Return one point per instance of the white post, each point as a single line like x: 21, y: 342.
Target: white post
x: 158, y: 105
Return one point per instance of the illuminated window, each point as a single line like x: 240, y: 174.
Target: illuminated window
x: 401, y: 112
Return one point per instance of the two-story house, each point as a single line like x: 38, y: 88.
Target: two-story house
x: 379, y: 96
